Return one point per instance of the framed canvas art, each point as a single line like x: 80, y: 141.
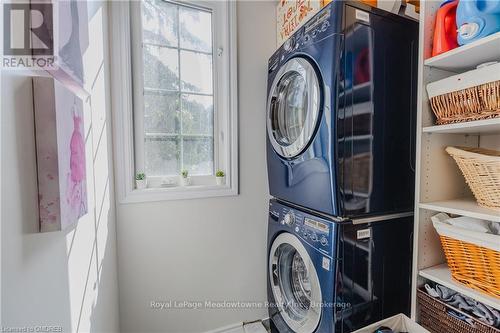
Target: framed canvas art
x: 60, y: 149
x: 66, y: 24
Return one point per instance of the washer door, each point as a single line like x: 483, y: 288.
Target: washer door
x: 293, y: 107
x: 295, y: 284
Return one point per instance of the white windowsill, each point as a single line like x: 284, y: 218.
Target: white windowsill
x: 178, y: 193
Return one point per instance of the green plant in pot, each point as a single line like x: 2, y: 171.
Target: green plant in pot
x: 185, y: 179
x: 220, y: 177
x: 141, y: 182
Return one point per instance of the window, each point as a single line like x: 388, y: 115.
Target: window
x: 183, y: 86
x: 178, y: 90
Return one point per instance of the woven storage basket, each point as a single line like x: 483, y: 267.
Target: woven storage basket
x: 434, y: 317
x: 473, y: 95
x: 481, y: 169
x: 475, y: 266
x: 473, y: 257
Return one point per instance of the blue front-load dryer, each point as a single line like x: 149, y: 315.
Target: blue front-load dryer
x: 341, y: 113
x: 327, y: 276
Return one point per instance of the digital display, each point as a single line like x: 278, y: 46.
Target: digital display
x: 316, y: 225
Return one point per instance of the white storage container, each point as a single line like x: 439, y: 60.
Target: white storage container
x: 398, y: 323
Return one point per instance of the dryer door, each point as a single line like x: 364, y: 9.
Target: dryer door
x: 295, y: 284
x: 293, y: 107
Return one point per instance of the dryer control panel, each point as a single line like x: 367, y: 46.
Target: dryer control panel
x: 319, y: 27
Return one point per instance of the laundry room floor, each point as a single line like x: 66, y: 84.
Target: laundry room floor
x: 256, y: 327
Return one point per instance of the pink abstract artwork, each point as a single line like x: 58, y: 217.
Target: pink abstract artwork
x: 60, y: 145
x: 71, y: 41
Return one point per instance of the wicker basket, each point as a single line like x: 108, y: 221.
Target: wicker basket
x: 434, y: 317
x: 473, y: 256
x: 473, y: 95
x: 481, y: 169
x: 475, y: 266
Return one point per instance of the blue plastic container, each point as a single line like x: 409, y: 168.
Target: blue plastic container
x: 477, y: 19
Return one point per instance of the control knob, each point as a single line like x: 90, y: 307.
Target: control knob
x: 289, y: 219
x: 325, y: 26
x: 289, y: 44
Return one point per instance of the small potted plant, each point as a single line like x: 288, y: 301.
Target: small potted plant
x: 140, y: 181
x: 185, y: 180
x: 220, y: 177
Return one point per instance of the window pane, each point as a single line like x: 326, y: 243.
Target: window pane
x: 196, y: 72
x: 178, y: 89
x: 161, y: 112
x: 161, y: 156
x: 197, y: 114
x: 195, y: 29
x: 159, y: 21
x: 199, y: 156
x: 161, y: 68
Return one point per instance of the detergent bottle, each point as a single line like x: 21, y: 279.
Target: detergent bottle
x: 445, y: 28
x: 477, y: 19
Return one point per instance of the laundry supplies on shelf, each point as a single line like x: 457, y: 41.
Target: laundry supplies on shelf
x: 477, y: 19
x: 445, y: 28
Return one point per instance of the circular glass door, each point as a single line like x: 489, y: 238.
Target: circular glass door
x: 293, y: 107
x: 295, y: 284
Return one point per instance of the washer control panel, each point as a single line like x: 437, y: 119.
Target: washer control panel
x: 312, y: 230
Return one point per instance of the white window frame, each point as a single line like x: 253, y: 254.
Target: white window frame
x: 127, y: 107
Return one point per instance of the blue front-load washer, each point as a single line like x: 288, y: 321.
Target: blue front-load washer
x: 326, y: 276
x: 341, y: 113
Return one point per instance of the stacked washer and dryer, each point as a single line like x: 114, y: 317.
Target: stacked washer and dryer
x: 340, y: 151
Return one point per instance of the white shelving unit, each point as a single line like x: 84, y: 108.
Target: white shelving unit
x: 442, y: 275
x: 465, y: 207
x: 468, y: 56
x: 486, y: 126
x: 440, y: 186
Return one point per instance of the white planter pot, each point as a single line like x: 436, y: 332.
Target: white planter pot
x: 141, y: 184
x: 220, y: 180
x: 185, y: 181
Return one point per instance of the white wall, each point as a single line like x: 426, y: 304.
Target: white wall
x: 206, y: 249
x: 65, y: 278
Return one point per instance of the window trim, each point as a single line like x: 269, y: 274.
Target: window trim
x: 120, y: 28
